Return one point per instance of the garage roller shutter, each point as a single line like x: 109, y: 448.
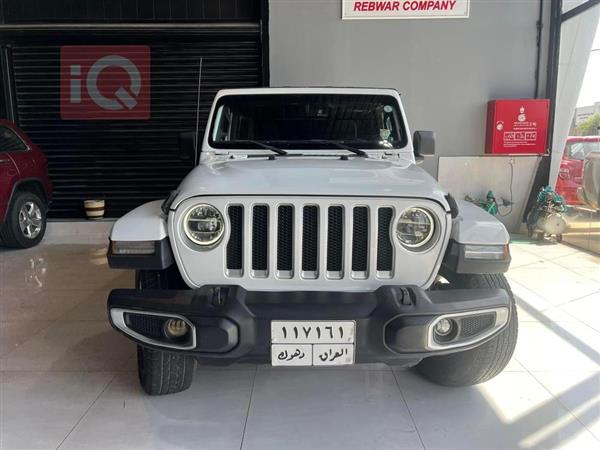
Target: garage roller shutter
x: 130, y: 162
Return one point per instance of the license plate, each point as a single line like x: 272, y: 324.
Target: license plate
x: 312, y: 343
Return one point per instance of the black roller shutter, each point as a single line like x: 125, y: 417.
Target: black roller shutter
x: 129, y: 162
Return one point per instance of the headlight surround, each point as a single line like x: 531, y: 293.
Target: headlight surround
x: 203, y: 224
x: 415, y: 228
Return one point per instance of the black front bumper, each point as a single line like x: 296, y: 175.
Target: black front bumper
x: 234, y: 325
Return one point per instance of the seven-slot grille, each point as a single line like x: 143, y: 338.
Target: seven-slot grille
x: 310, y: 241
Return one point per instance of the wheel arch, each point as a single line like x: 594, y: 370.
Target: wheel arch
x: 33, y: 185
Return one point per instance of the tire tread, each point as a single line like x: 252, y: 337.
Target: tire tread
x: 162, y: 372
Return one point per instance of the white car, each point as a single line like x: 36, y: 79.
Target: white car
x: 308, y: 236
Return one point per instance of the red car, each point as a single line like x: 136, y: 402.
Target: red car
x: 571, y: 166
x: 25, y: 188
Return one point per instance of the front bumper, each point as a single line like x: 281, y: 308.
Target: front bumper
x: 393, y: 323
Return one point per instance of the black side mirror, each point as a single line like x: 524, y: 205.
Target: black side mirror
x: 424, y: 144
x: 187, y: 147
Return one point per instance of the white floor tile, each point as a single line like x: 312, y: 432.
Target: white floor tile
x: 533, y: 308
x: 546, y: 249
x: 15, y: 334
x: 579, y: 392
x: 520, y: 257
x: 16, y: 304
x: 514, y: 366
x: 328, y: 409
x: 77, y: 346
x: 510, y: 411
x: 554, y: 283
x: 210, y: 415
x: 39, y: 409
x: 62, y: 267
x: 91, y: 307
x: 586, y: 309
x: 585, y: 264
x: 559, y: 347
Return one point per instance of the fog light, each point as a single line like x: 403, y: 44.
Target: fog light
x: 175, y: 328
x: 443, y: 327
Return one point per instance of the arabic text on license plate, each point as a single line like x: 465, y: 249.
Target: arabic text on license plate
x: 317, y: 343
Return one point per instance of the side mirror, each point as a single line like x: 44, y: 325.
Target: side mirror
x: 187, y: 148
x: 424, y: 144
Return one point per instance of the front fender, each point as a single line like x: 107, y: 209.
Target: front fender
x: 475, y: 226
x: 144, y: 223
x: 476, y: 230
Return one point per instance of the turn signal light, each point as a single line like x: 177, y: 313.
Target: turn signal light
x: 133, y: 247
x: 493, y: 252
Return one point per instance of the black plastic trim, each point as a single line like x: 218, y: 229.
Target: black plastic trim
x: 455, y: 261
x: 159, y: 260
x: 453, y: 205
x: 379, y: 315
x: 166, y: 205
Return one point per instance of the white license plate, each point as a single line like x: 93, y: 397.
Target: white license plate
x: 312, y: 343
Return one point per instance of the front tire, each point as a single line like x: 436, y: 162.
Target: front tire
x: 25, y: 224
x: 161, y: 372
x: 481, y: 363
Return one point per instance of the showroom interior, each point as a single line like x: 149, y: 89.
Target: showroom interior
x: 511, y: 90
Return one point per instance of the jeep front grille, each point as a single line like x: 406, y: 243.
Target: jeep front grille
x: 310, y: 241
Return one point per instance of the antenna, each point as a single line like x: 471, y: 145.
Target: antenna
x: 196, y: 141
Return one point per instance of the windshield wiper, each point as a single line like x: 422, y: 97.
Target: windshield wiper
x: 339, y: 144
x: 260, y: 144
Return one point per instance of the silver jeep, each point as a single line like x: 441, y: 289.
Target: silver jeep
x: 307, y: 235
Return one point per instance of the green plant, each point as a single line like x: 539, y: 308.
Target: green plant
x: 589, y: 126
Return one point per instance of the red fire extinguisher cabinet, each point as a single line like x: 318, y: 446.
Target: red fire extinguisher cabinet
x: 517, y: 126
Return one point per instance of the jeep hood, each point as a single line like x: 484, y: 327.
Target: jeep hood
x: 314, y: 176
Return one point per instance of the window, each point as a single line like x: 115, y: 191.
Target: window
x: 579, y: 150
x: 304, y: 121
x: 9, y: 141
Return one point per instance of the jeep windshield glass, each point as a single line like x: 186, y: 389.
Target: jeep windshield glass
x: 308, y: 121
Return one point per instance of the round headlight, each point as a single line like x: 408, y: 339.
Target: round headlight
x: 415, y: 227
x: 204, y: 225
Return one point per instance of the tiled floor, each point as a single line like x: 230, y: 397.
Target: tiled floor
x: 68, y: 380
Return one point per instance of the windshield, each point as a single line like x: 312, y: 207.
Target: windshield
x: 308, y: 121
x: 580, y: 150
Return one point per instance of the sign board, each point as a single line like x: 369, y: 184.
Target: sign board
x: 105, y: 82
x: 405, y: 9
x: 517, y: 126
